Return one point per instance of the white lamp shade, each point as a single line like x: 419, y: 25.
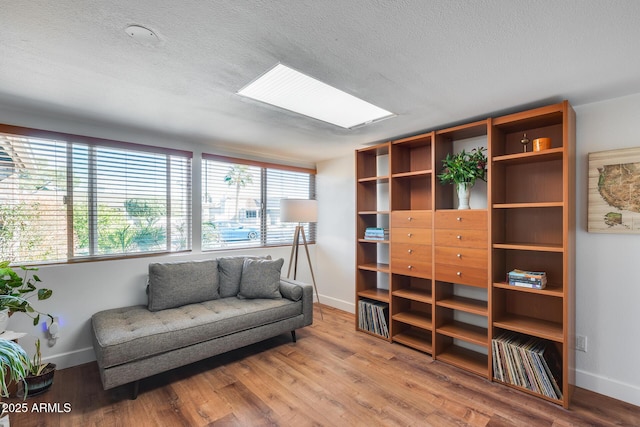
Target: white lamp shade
x: 298, y: 210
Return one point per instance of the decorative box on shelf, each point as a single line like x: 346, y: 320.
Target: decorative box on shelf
x: 527, y: 279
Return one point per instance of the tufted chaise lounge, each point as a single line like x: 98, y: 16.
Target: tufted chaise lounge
x: 135, y: 342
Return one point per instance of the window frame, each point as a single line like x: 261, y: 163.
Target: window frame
x: 264, y: 166
x: 92, y: 143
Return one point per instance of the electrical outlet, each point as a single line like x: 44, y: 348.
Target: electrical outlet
x: 581, y: 343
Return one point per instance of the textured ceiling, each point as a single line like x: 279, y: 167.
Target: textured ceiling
x: 433, y: 63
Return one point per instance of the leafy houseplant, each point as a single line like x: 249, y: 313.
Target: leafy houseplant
x: 16, y: 290
x: 39, y: 375
x: 14, y: 363
x: 464, y: 167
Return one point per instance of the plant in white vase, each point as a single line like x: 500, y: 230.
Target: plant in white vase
x: 463, y: 169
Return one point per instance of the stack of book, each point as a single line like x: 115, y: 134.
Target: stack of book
x: 528, y: 362
x: 376, y: 233
x: 527, y: 279
x: 372, y: 317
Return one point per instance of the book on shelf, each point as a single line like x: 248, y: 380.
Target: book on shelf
x: 528, y: 362
x: 372, y: 317
x: 376, y: 233
x: 527, y: 279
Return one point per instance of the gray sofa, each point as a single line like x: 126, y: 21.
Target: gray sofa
x: 197, y: 309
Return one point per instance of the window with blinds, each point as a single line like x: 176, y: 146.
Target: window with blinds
x: 241, y: 202
x: 72, y: 198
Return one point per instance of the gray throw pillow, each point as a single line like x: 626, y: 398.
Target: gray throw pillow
x: 174, y: 284
x: 260, y: 279
x: 230, y: 269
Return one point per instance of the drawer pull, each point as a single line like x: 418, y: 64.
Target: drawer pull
x: 410, y: 251
x: 409, y: 219
x: 458, y: 219
x: 459, y: 237
x: 410, y: 267
x: 459, y: 255
x: 409, y: 234
x: 458, y: 274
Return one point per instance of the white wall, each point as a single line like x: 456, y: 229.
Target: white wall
x: 607, y: 285
x: 335, y: 249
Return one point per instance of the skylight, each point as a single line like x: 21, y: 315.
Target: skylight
x: 286, y: 88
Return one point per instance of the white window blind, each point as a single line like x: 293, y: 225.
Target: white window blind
x: 284, y: 184
x: 231, y: 207
x: 241, y: 202
x: 69, y: 198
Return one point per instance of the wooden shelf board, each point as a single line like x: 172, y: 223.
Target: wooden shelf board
x: 373, y: 334
x: 373, y: 212
x: 415, y: 339
x: 414, y: 318
x: 538, y: 247
x: 528, y: 205
x: 372, y: 241
x: 466, y: 332
x: 526, y: 390
x: 465, y: 359
x: 539, y: 117
x: 414, y: 294
x: 422, y: 140
x: 381, y: 295
x: 552, y: 289
x: 468, y: 305
x: 530, y: 156
x: 412, y: 174
x: 383, y: 268
x: 530, y: 326
x: 376, y: 179
x: 468, y: 130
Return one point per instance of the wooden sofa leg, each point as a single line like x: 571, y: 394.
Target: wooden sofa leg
x: 293, y: 336
x: 136, y: 387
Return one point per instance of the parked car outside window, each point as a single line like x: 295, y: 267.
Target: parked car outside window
x: 233, y: 231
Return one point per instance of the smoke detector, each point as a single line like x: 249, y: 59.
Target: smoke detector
x: 142, y: 34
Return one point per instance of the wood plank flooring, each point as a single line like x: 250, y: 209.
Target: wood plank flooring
x: 333, y: 376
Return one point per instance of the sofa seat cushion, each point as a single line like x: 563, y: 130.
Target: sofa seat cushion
x: 126, y: 334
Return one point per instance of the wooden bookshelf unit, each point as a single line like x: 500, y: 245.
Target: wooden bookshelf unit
x: 443, y: 271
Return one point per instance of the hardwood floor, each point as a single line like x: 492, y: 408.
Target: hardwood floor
x: 333, y: 376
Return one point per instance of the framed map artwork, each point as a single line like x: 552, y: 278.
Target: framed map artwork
x: 614, y: 191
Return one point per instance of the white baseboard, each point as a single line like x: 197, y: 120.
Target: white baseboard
x: 338, y: 303
x: 609, y: 387
x: 72, y: 358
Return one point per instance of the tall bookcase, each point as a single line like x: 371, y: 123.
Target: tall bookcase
x: 372, y: 206
x: 411, y: 241
x: 461, y: 256
x: 533, y: 228
x: 442, y: 271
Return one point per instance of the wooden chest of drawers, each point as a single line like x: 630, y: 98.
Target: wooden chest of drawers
x: 461, y: 254
x: 411, y: 239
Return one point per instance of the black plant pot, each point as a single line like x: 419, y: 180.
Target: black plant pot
x: 38, y: 384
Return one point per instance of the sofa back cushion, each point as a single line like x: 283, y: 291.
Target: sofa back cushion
x: 260, y: 278
x: 174, y: 284
x: 230, y: 269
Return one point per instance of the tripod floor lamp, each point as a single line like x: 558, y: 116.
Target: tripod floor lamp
x: 300, y: 211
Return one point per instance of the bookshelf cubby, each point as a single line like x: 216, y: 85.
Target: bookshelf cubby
x: 443, y: 271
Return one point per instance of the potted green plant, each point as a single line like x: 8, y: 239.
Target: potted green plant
x: 463, y: 169
x: 16, y: 291
x: 39, y: 375
x: 14, y: 363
